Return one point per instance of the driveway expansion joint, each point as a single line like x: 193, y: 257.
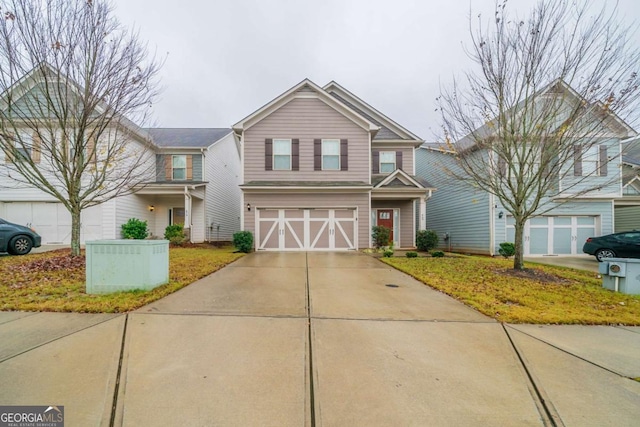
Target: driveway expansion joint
x: 116, y: 387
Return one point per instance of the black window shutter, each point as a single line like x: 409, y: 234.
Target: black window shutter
x: 295, y: 154
x: 398, y: 159
x: 603, y: 160
x: 317, y: 155
x: 577, y: 160
x: 375, y: 159
x: 268, y: 154
x: 344, y: 155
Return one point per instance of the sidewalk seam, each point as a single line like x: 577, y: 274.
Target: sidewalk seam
x: 56, y: 339
x: 571, y: 354
x: 116, y: 388
x: 550, y: 415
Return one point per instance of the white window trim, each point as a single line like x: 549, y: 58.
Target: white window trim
x: 273, y: 155
x: 332, y: 155
x: 173, y: 178
x: 586, y: 163
x: 380, y: 161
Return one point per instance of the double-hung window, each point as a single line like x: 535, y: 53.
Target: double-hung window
x: 282, y: 154
x: 591, y: 161
x: 387, y: 161
x: 179, y: 167
x: 331, y: 154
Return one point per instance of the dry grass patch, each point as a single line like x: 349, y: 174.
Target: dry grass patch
x: 541, y: 294
x: 54, y: 281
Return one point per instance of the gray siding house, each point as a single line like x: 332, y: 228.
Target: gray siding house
x: 320, y: 167
x: 469, y: 219
x: 627, y: 207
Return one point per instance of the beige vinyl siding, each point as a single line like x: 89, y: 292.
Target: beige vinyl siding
x: 627, y: 218
x: 306, y: 119
x: 407, y: 218
x: 312, y: 200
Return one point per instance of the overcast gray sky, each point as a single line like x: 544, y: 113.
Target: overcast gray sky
x: 227, y: 58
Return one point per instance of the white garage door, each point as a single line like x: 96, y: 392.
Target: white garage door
x: 554, y: 235
x: 52, y: 221
x: 305, y: 229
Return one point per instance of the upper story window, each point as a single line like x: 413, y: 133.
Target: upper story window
x: 282, y: 154
x: 591, y: 160
x: 330, y: 154
x: 387, y: 161
x: 179, y: 167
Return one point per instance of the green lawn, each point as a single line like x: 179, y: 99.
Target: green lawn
x: 54, y: 281
x: 550, y: 295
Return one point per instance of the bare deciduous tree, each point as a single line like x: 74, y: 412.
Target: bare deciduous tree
x: 72, y: 78
x: 548, y: 93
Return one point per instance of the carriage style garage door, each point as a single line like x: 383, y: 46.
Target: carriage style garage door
x: 305, y: 229
x: 554, y: 235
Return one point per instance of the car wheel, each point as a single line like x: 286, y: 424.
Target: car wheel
x: 601, y: 254
x: 20, y: 245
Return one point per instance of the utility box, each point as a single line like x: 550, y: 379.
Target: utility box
x: 125, y: 265
x: 621, y: 275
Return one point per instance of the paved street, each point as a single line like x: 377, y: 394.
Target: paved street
x: 316, y: 339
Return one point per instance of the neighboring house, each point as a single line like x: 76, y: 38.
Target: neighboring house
x: 320, y: 167
x: 627, y: 207
x: 471, y: 220
x: 193, y: 177
x: 197, y: 178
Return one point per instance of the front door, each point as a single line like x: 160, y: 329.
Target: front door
x: 385, y: 219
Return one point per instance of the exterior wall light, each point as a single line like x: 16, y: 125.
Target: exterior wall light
x: 151, y: 208
x: 249, y: 207
x: 500, y: 214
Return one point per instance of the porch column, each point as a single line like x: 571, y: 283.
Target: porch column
x: 423, y: 213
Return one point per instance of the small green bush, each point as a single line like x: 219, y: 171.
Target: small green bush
x: 388, y: 253
x: 411, y: 254
x: 135, y: 229
x: 426, y: 240
x: 175, y: 230
x: 507, y: 249
x: 243, y: 241
x: 381, y: 236
x: 178, y: 240
x: 437, y: 254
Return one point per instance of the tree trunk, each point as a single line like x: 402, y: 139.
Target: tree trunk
x: 518, y: 259
x: 75, y: 231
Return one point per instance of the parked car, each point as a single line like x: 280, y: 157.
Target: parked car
x: 17, y: 239
x: 623, y: 245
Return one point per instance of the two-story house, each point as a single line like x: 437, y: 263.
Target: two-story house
x: 320, y: 167
x: 187, y: 176
x: 470, y: 219
x: 627, y: 207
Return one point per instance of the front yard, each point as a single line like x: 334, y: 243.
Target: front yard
x: 53, y: 281
x: 545, y: 294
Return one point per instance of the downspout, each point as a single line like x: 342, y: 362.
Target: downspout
x: 492, y: 224
x: 187, y: 209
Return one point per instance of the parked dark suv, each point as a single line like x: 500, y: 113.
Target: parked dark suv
x: 623, y: 245
x: 17, y: 239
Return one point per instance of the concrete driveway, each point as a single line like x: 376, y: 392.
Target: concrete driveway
x: 580, y: 262
x: 334, y: 339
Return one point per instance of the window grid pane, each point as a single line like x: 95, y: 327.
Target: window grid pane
x: 281, y: 162
x: 387, y: 167
x: 282, y: 146
x: 330, y: 162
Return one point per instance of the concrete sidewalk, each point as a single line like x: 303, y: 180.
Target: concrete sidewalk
x: 316, y: 339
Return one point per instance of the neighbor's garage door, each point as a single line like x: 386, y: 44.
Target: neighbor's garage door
x: 52, y: 221
x: 305, y: 229
x: 554, y: 235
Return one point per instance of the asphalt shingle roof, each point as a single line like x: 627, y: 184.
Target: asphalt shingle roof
x: 187, y: 137
x: 383, y: 133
